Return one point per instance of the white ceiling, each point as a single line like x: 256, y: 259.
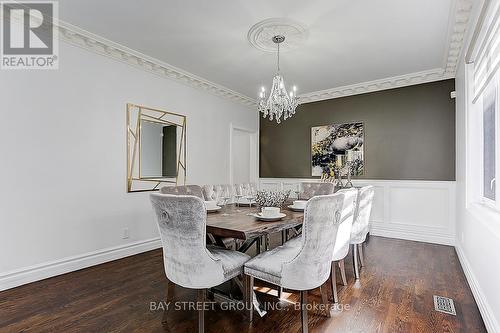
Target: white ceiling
x: 349, y: 41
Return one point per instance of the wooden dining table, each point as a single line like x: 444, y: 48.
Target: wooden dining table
x: 239, y: 223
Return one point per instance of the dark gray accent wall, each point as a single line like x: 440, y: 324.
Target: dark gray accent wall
x: 409, y: 134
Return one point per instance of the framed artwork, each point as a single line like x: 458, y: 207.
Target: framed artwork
x: 335, y: 145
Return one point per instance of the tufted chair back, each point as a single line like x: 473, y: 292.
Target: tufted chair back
x: 245, y: 188
x: 361, y: 225
x: 182, y: 225
x: 309, y: 190
x: 344, y: 233
x: 215, y: 192
x: 311, y: 266
x: 183, y: 190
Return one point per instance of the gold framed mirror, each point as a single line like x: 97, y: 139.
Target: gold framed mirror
x: 156, y: 148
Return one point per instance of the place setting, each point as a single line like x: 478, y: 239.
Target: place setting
x: 211, y: 206
x: 298, y: 205
x: 269, y: 214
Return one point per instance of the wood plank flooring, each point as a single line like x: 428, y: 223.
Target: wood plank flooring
x: 394, y: 294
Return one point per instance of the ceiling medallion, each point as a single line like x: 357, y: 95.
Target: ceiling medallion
x: 261, y: 34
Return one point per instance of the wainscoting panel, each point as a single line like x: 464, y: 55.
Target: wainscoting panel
x: 414, y: 210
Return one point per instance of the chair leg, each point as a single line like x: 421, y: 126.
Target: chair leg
x: 280, y: 292
x: 361, y: 255
x: 334, y: 284
x: 303, y: 310
x: 355, y: 261
x: 201, y: 313
x: 324, y: 300
x: 250, y: 297
x: 342, y: 272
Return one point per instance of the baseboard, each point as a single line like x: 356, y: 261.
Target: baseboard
x: 489, y: 319
x: 49, y: 269
x: 418, y: 234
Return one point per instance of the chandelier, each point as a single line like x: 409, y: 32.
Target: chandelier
x: 279, y: 103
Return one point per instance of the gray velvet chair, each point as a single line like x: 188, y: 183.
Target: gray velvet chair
x: 188, y: 261
x: 361, y: 226
x: 216, y: 192
x: 307, y: 266
x: 343, y: 238
x: 183, y: 190
x: 309, y: 190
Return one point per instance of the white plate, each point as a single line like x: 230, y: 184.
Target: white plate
x: 270, y: 218
x: 246, y: 203
x: 296, y: 209
x: 213, y: 210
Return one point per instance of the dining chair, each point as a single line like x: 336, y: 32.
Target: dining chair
x: 361, y: 226
x: 341, y: 249
x: 217, y: 192
x: 183, y: 190
x: 307, y: 266
x: 188, y: 262
x: 245, y: 189
x: 309, y: 190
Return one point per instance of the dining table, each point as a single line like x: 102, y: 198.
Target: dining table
x: 239, y: 224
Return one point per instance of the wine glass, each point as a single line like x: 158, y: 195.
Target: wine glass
x: 238, y: 194
x: 226, y: 196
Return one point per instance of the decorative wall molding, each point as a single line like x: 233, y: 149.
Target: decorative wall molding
x: 377, y: 85
x: 97, y: 44
x: 414, y: 210
x: 458, y: 25
x: 487, y: 313
x: 49, y: 269
x: 460, y: 13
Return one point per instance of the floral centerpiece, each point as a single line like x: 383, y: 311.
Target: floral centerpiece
x: 266, y: 198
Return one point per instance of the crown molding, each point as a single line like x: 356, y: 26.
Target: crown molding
x: 100, y: 45
x: 459, y: 22
x: 377, y: 85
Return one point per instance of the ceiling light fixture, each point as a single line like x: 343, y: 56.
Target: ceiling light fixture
x: 279, y: 103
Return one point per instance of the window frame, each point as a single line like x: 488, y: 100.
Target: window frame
x: 478, y: 108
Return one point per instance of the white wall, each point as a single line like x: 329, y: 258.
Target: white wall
x: 478, y: 229
x: 63, y: 200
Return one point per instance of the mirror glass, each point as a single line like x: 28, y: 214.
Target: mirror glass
x: 158, y: 149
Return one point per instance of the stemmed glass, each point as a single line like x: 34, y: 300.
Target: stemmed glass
x: 297, y: 192
x: 238, y: 194
x: 226, y: 197
x: 251, y: 194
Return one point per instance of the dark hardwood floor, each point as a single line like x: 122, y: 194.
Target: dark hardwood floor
x: 394, y: 294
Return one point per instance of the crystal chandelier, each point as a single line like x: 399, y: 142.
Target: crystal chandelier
x: 279, y: 103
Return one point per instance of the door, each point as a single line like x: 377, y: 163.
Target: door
x: 243, y: 156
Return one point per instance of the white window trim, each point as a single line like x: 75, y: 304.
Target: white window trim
x: 479, y: 110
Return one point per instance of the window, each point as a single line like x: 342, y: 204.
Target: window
x: 489, y: 142
x: 483, y: 111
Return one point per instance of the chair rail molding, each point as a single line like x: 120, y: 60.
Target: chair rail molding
x: 405, y: 209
